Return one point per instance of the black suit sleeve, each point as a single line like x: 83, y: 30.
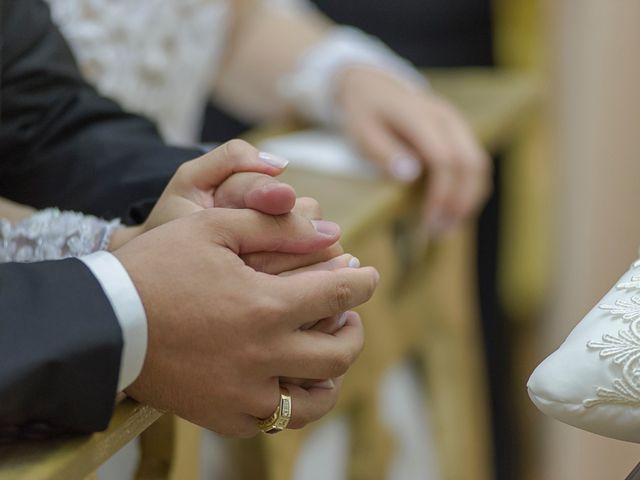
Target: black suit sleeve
x: 62, y: 144
x: 60, y: 347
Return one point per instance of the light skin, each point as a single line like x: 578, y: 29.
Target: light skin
x: 243, y: 188
x: 223, y: 372
x: 405, y: 129
x: 221, y: 334
x: 235, y: 175
x: 225, y: 342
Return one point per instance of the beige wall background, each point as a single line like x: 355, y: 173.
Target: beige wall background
x: 594, y: 48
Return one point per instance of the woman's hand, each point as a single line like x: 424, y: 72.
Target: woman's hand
x: 236, y: 175
x: 406, y: 130
x: 196, y: 184
x: 202, y: 183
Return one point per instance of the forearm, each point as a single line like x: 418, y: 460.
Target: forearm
x: 14, y: 212
x: 292, y: 61
x: 265, y: 46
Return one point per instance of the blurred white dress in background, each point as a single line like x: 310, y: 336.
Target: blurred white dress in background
x: 154, y: 57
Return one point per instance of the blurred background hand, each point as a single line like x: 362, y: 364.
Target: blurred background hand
x: 407, y: 130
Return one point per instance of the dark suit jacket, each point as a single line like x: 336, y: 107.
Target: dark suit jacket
x: 61, y: 144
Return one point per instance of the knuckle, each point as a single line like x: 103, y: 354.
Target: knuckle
x: 257, y: 261
x: 309, y: 207
x: 342, y: 296
x: 237, y: 149
x: 185, y: 171
x: 341, y: 362
x: 184, y: 168
x: 314, y: 205
x: 254, y: 352
x: 217, y: 221
x: 268, y: 308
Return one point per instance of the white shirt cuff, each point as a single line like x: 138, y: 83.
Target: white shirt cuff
x: 129, y: 311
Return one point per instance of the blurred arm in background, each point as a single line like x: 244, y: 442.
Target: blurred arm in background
x: 351, y: 81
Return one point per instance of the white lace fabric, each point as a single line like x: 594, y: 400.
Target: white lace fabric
x: 52, y: 234
x: 621, y: 349
x: 155, y: 57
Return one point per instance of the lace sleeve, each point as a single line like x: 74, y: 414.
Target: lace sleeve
x: 51, y: 234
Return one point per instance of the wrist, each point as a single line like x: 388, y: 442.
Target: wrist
x: 311, y: 88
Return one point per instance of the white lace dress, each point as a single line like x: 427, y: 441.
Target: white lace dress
x: 50, y: 234
x: 154, y: 57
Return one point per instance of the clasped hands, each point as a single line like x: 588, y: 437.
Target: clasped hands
x: 245, y: 288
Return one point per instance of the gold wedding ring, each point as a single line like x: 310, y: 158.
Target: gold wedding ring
x: 279, y: 419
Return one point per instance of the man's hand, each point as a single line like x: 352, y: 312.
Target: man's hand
x: 221, y: 334
x: 406, y: 130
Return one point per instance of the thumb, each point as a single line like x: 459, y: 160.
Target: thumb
x: 257, y: 191
x: 211, y: 169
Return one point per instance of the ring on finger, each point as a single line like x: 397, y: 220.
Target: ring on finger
x: 280, y: 418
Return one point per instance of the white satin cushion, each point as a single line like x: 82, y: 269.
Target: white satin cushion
x: 593, y: 380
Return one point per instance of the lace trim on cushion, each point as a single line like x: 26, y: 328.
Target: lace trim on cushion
x: 635, y: 280
x: 623, y: 350
x: 51, y: 234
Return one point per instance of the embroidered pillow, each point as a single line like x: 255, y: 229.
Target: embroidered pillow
x: 593, y: 380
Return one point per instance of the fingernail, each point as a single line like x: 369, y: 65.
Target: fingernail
x: 376, y: 275
x: 326, y: 384
x: 405, y: 168
x: 273, y: 160
x: 354, y: 263
x: 342, y: 320
x: 323, y: 227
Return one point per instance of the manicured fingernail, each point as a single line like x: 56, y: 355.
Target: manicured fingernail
x: 273, y: 160
x: 323, y: 227
x: 405, y: 168
x: 354, y: 263
x: 376, y: 275
x: 342, y: 320
x: 326, y: 384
